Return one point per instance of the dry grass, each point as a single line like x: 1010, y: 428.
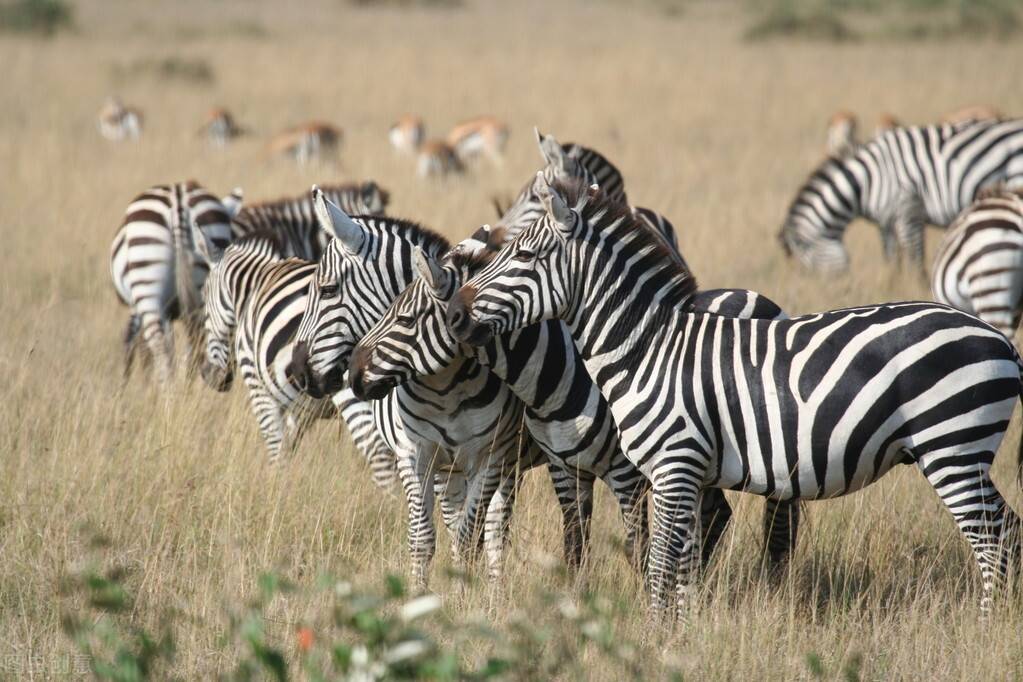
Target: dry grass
x: 715, y: 133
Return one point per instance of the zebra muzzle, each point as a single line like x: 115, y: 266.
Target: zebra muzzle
x: 460, y: 321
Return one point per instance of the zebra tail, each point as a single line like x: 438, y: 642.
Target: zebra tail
x: 189, y: 299
x: 1019, y: 445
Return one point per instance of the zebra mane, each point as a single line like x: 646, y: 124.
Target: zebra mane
x: 258, y: 237
x: 329, y: 190
x: 470, y: 261
x: 615, y: 222
x: 408, y: 230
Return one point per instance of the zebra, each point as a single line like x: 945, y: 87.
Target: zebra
x: 439, y: 427
x: 979, y: 266
x: 155, y: 269
x: 565, y: 414
x: 808, y: 408
x: 562, y: 162
x: 293, y: 219
x: 901, y: 180
x: 307, y: 142
x: 254, y: 300
x: 118, y: 122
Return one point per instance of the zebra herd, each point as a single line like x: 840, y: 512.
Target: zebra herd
x: 572, y: 334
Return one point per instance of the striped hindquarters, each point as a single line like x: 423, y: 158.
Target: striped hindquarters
x: 979, y: 266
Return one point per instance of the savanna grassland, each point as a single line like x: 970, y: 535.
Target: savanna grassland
x: 715, y: 132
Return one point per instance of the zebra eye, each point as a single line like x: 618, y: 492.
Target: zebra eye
x: 405, y: 320
x: 524, y: 256
x: 328, y: 290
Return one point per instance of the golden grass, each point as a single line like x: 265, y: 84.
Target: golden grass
x: 715, y: 133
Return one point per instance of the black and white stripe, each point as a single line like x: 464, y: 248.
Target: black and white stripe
x: 155, y: 269
x: 902, y: 179
x: 462, y: 427
x: 565, y: 414
x: 562, y: 163
x: 294, y: 220
x: 979, y: 267
x: 806, y: 408
x: 254, y: 301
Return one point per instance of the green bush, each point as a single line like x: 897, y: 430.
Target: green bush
x: 191, y: 70
x: 380, y: 633
x: 42, y: 17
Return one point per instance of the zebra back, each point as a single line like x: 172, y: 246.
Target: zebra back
x: 294, y: 218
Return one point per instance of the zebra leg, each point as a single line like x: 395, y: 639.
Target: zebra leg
x: 415, y: 469
x: 131, y: 345
x: 909, y: 230
x: 632, y: 503
x: 963, y: 482
x: 574, y: 490
x: 673, y: 545
x: 156, y: 335
x: 781, y: 522
x: 889, y: 242
x: 498, y: 519
x: 715, y: 515
x: 268, y: 412
x: 358, y: 417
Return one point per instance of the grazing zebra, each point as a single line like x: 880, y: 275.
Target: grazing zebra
x: 118, y: 122
x: 254, y: 300
x: 462, y: 427
x: 293, y: 219
x: 565, y: 414
x: 562, y: 162
x: 406, y: 135
x: 808, y: 408
x: 307, y: 142
x: 155, y: 269
x: 480, y: 136
x: 220, y: 128
x: 437, y: 157
x: 901, y: 180
x: 979, y: 268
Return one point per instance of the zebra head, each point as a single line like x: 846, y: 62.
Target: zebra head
x: 373, y: 198
x: 528, y: 206
x: 366, y: 264
x: 225, y: 294
x: 412, y: 339
x: 816, y: 221
x: 529, y: 280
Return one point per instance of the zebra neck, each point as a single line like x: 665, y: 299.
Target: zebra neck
x: 536, y: 363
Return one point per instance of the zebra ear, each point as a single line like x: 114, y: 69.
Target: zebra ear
x: 557, y: 208
x: 206, y: 247
x: 434, y: 275
x: 233, y: 202
x: 554, y: 154
x: 336, y: 222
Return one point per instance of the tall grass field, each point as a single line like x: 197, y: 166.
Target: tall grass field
x: 134, y: 517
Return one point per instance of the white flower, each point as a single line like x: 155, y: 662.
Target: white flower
x: 419, y: 607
